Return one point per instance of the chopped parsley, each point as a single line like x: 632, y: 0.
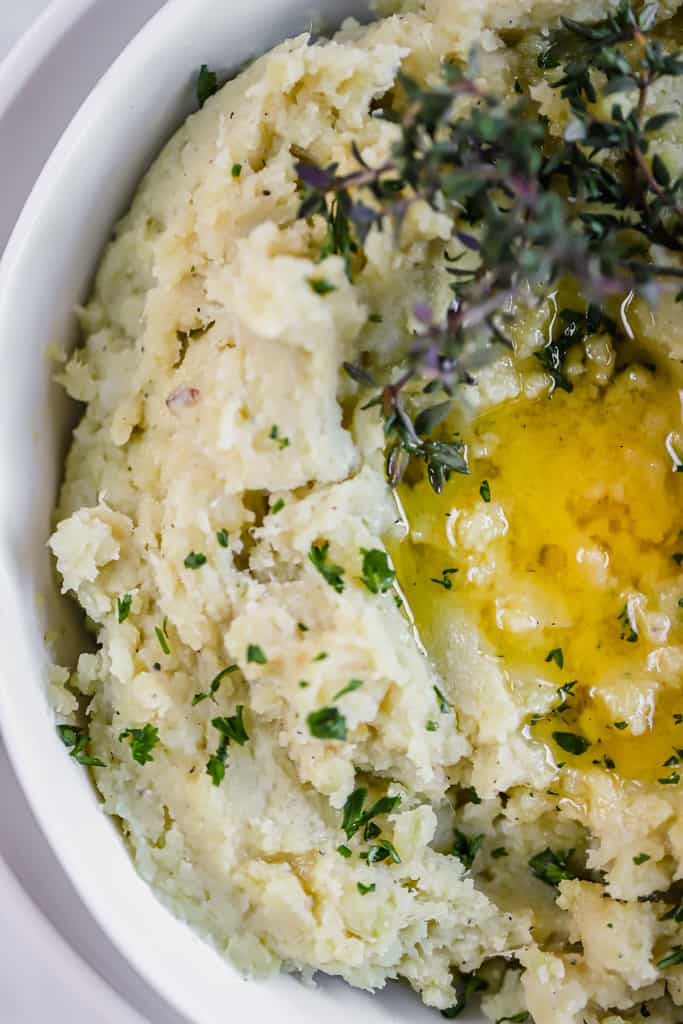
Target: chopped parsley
x: 446, y: 582
x: 678, y: 557
x: 499, y: 852
x: 671, y: 780
x: 215, y: 683
x: 195, y: 560
x: 303, y: 683
x: 321, y: 656
x: 571, y: 742
x: 672, y: 959
x: 344, y: 851
x: 379, y: 851
x: 78, y: 740
x: 675, y: 914
x: 233, y: 727
x: 302, y: 627
x: 207, y: 84
x: 444, y: 706
x: 223, y: 538
x: 123, y: 606
x: 142, y: 742
x: 485, y: 491
x: 332, y: 574
x: 557, y: 656
x: 274, y: 435
x: 376, y: 318
x: 232, y: 730
x: 629, y: 633
x: 327, y: 724
x: 519, y: 1018
x: 355, y: 818
x: 365, y: 889
x: 641, y: 858
x: 621, y: 725
x: 256, y: 655
x: 431, y: 726
x: 378, y: 576
x: 162, y: 637
x: 321, y: 286
x: 277, y: 507
x: 551, y: 867
x: 352, y: 685
x: 466, y: 849
x: 236, y: 170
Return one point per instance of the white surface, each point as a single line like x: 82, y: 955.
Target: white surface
x: 15, y: 19
x: 44, y: 272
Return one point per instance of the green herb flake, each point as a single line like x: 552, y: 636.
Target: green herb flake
x: 232, y: 728
x: 365, y: 889
x: 162, y: 638
x: 519, y: 1018
x: 236, y: 170
x: 303, y: 683
x: 466, y: 849
x: 444, y: 706
x: 629, y: 634
x: 327, y: 724
x: 207, y: 84
x: 431, y: 726
x: 378, y: 575
x: 223, y: 538
x: 215, y: 766
x: 383, y: 849
x: 355, y: 818
x: 274, y: 435
x: 123, y: 607
x: 332, y: 574
x: 344, y: 851
x: 195, y: 560
x: 353, y: 684
x: 302, y: 627
x: 446, y: 582
x: 551, y: 867
x: 671, y: 780
x: 641, y: 858
x: 142, y: 742
x: 321, y: 286
x: 499, y: 852
x: 485, y: 491
x: 376, y: 318
x: 672, y: 959
x: 277, y: 507
x: 321, y: 656
x: 557, y: 656
x: 678, y: 557
x: 256, y: 655
x: 621, y: 725
x: 571, y: 742
x: 215, y: 684
x: 78, y: 741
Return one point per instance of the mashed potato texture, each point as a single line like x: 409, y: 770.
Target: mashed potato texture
x: 220, y: 443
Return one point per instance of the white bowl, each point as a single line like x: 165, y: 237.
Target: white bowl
x: 45, y: 272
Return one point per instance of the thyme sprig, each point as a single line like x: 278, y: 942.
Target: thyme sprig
x: 527, y: 210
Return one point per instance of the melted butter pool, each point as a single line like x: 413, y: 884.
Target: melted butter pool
x: 575, y: 553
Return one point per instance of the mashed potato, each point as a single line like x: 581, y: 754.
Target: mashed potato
x: 220, y: 445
